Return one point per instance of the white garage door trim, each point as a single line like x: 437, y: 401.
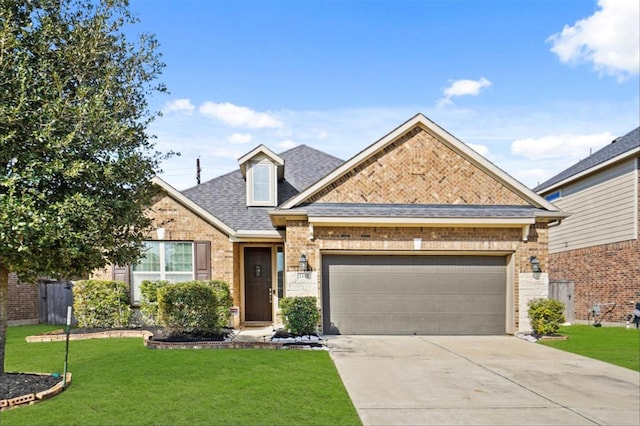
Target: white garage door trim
x: 392, y: 305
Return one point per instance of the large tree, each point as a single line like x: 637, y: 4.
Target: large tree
x: 76, y: 161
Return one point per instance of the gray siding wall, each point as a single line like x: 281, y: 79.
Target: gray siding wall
x: 603, y: 209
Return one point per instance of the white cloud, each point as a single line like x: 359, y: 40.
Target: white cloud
x: 240, y: 138
x: 480, y: 149
x: 239, y: 116
x: 571, y: 147
x: 609, y: 39
x: 463, y: 88
x: 179, y: 105
x: 288, y: 144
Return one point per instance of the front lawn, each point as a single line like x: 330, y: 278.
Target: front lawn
x: 119, y: 381
x: 615, y: 345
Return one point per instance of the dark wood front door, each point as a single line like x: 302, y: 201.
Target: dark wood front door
x: 257, y: 284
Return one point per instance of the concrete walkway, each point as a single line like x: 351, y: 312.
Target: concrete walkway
x: 487, y: 380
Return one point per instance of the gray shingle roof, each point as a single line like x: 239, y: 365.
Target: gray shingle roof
x: 225, y: 196
x: 418, y: 210
x: 619, y: 146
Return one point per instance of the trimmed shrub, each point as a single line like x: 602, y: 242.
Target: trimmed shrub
x: 197, y: 308
x: 101, y: 304
x: 224, y: 300
x: 546, y: 315
x: 301, y: 315
x: 149, y: 300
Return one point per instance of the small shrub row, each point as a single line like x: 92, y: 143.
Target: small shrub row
x: 196, y: 307
x: 301, y: 315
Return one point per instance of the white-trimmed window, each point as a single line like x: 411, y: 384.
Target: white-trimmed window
x: 261, y: 188
x: 163, y: 260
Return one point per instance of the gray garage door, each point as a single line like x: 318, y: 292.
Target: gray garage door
x: 449, y: 295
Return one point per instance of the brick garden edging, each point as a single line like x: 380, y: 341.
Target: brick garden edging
x: 84, y: 336
x: 156, y: 344
x: 30, y: 399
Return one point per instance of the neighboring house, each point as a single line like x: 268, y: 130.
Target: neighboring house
x: 23, y: 302
x: 597, y: 247
x: 417, y: 234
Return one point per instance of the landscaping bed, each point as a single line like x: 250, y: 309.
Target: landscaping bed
x: 27, y: 388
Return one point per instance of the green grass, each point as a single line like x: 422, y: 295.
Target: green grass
x: 119, y: 381
x: 615, y: 345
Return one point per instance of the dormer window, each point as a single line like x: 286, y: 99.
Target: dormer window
x: 262, y: 169
x: 261, y: 184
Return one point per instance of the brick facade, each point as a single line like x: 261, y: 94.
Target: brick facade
x: 602, y: 274
x: 418, y: 169
x: 23, y: 302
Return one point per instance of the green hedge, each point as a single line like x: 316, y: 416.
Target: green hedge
x: 301, y: 315
x: 546, y: 315
x: 101, y: 304
x: 149, y: 301
x: 196, y: 307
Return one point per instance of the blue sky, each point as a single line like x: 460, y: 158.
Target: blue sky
x: 532, y: 85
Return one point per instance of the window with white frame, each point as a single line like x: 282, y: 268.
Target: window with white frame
x: 163, y: 260
x: 261, y: 186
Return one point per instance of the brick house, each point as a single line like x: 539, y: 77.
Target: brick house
x: 417, y: 234
x: 597, y: 247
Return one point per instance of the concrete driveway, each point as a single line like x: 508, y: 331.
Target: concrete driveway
x: 496, y: 380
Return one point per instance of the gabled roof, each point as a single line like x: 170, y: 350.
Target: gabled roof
x: 446, y: 138
x: 225, y: 196
x: 619, y: 149
x: 261, y: 150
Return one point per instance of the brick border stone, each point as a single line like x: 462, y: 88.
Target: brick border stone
x: 30, y: 399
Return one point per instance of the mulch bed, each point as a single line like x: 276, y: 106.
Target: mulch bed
x: 13, y: 385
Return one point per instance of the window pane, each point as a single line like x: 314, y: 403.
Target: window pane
x: 178, y: 277
x: 151, y: 260
x: 261, y: 183
x: 280, y: 266
x: 178, y: 257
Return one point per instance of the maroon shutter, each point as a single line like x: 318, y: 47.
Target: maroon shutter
x: 121, y: 273
x: 203, y: 260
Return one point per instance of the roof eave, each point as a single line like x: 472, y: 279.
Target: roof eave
x: 622, y: 157
x: 192, y: 206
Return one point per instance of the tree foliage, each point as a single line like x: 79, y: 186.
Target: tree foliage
x: 75, y: 160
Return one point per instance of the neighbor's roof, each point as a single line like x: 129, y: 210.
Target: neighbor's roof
x: 622, y: 145
x: 225, y: 196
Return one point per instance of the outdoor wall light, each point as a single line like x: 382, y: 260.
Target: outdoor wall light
x: 303, y: 263
x: 535, y: 264
x: 160, y: 232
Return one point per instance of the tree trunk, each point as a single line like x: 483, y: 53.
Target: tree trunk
x: 4, y: 308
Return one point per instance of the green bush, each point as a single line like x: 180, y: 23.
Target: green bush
x: 224, y: 300
x: 301, y: 315
x: 102, y: 304
x: 197, y: 308
x: 149, y: 300
x: 546, y: 315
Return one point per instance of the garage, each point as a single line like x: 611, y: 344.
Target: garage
x: 422, y: 295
